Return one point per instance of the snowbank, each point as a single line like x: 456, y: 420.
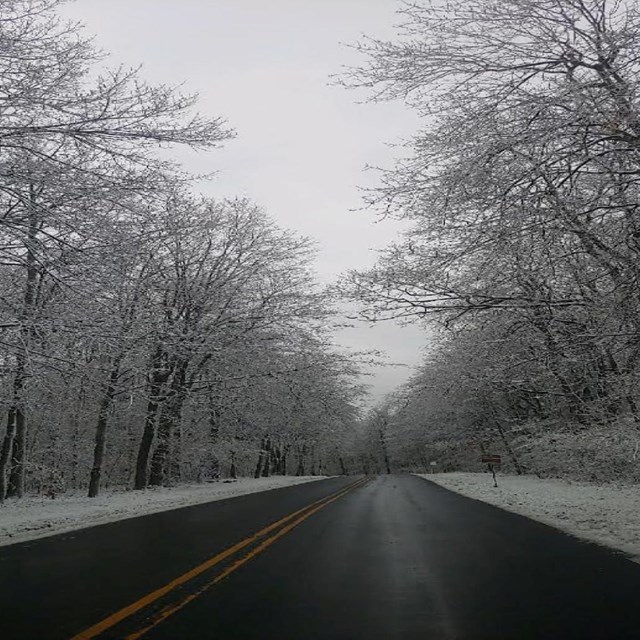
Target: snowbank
x: 607, y: 514
x: 32, y: 517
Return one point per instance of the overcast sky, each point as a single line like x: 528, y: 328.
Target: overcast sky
x: 302, y: 144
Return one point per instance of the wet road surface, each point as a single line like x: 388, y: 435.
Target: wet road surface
x: 389, y: 557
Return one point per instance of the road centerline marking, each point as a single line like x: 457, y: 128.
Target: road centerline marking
x: 148, y: 599
x: 171, y: 609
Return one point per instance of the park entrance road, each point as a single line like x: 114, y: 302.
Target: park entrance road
x: 389, y: 557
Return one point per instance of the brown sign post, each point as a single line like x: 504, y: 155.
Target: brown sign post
x: 492, y: 461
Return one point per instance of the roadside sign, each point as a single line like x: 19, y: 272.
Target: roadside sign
x: 492, y: 461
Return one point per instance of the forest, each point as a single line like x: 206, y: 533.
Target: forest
x: 150, y: 335
x: 523, y: 248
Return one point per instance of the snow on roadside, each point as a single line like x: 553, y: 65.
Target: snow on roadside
x: 37, y: 517
x: 608, y: 514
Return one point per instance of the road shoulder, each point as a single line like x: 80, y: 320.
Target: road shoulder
x: 606, y: 514
x: 31, y: 518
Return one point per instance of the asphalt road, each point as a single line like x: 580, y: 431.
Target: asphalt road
x: 390, y: 557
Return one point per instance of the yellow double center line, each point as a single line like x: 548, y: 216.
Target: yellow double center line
x: 293, y: 520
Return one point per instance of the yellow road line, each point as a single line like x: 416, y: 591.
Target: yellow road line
x: 171, y: 609
x: 152, y: 597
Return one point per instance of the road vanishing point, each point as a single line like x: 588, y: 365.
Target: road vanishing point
x: 347, y: 558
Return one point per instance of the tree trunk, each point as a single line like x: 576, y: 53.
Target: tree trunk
x: 159, y: 376
x: 283, y: 461
x: 101, y: 430
x: 313, y: 461
x: 267, y: 456
x: 14, y: 443
x: 144, y: 450
x: 276, y: 458
x: 174, y: 466
x: 161, y: 451
x: 233, y: 474
x: 15, y: 488
x: 261, y: 457
x: 14, y: 439
x: 5, y: 453
x: 385, y: 453
x: 214, y: 432
x: 302, y: 452
x: 169, y: 420
x: 75, y: 438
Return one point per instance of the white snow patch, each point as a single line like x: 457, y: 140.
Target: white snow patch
x: 37, y: 517
x: 608, y: 514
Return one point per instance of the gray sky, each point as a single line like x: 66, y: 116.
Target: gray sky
x: 302, y: 144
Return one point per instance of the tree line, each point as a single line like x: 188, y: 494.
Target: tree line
x: 523, y: 253
x: 148, y: 334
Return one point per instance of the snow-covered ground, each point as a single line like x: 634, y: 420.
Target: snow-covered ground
x: 607, y: 514
x: 32, y: 517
